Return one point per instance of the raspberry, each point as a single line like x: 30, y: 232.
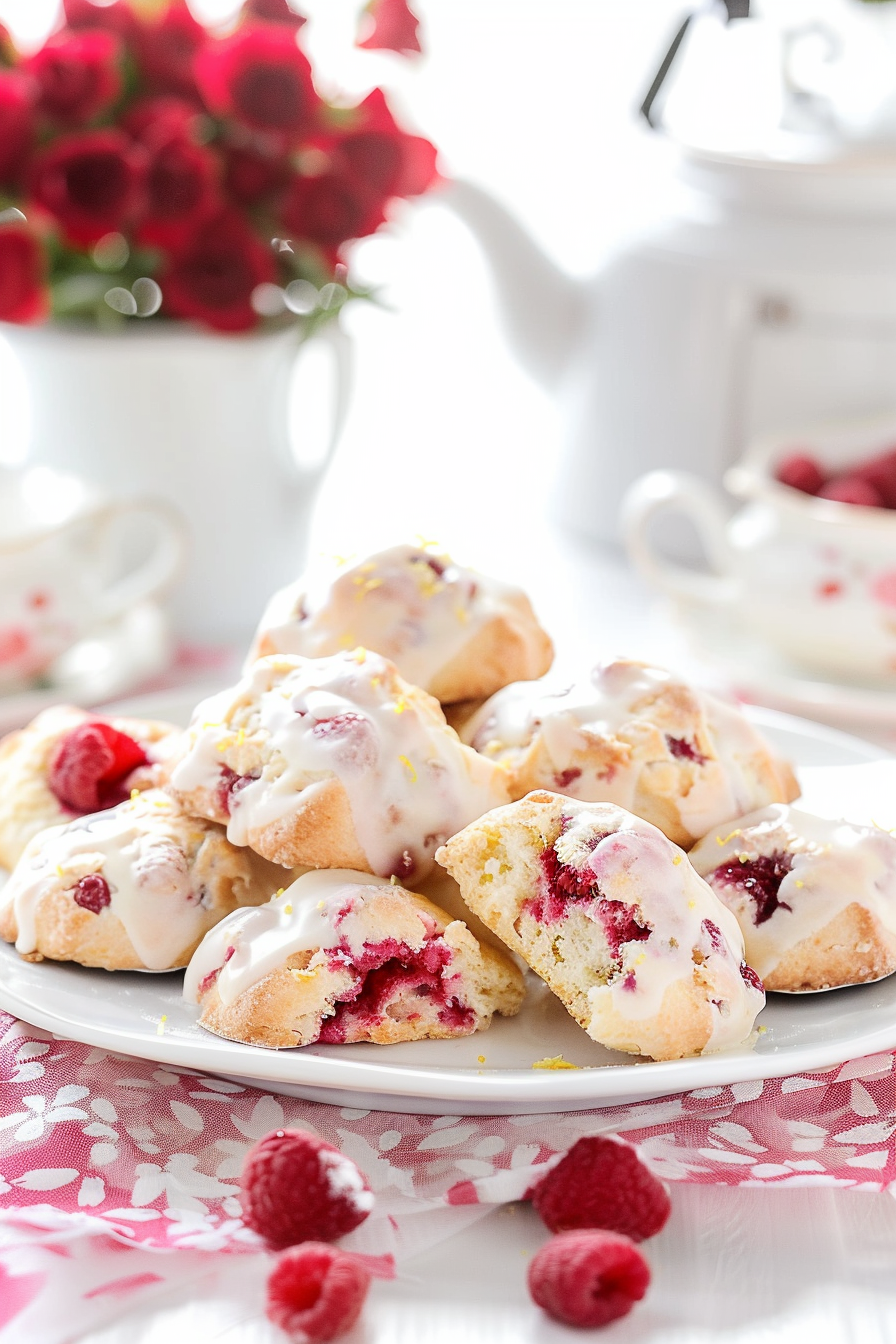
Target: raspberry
x: 89, y: 765
x: 92, y: 893
x: 602, y: 1183
x: 851, y: 490
x: 315, y: 1292
x: 588, y: 1278
x: 296, y: 1187
x: 801, y: 472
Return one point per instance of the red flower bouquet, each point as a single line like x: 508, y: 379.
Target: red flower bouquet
x: 149, y: 165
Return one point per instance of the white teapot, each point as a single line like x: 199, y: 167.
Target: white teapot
x: 760, y: 298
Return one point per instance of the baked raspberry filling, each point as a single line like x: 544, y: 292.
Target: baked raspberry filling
x: 390, y: 975
x: 749, y: 977
x: 352, y: 738
x: 683, y: 750
x: 90, y: 765
x: 760, y: 879
x: 92, y: 893
x: 567, y: 777
x: 561, y: 883
x: 230, y: 784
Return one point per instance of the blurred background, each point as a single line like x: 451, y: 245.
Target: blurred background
x: 456, y: 428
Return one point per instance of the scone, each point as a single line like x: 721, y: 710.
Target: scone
x: 615, y: 920
x: 342, y: 956
x: 133, y: 888
x: 333, y: 763
x: 636, y: 736
x: 815, y: 899
x: 68, y: 762
x: 454, y: 632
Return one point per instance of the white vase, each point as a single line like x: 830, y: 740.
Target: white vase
x: 214, y: 424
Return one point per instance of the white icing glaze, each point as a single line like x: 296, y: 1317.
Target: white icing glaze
x: 835, y: 864
x: 409, y: 781
x: 412, y: 604
x: 636, y: 865
x: 615, y: 703
x: 300, y: 919
x: 138, y: 848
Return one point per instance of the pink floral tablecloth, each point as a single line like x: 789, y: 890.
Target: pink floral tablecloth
x: 119, y: 1176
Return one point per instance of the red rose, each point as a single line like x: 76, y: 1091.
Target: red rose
x: 16, y: 124
x: 390, y: 25
x: 78, y: 75
x: 181, y: 188
x: 168, y: 47
x: 154, y: 121
x: 92, y: 183
x: 259, y: 76
x: 116, y: 18
x: 250, y: 175
x: 329, y: 211
x: 23, y: 290
x: 376, y: 153
x: 212, y: 276
x: 274, y: 11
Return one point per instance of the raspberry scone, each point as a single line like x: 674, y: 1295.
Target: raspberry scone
x: 342, y: 956
x: 133, y: 888
x: 67, y: 763
x: 613, y: 917
x: 333, y: 763
x: 454, y: 632
x: 815, y: 899
x: 636, y: 736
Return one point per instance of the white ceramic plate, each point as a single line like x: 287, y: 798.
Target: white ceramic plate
x: 489, y: 1073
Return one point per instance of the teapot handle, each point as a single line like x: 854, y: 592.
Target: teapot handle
x: 301, y: 469
x: 670, y: 492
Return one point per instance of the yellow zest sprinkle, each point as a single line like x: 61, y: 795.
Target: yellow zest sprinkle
x: 212, y: 723
x: 347, y: 642
x: 59, y: 871
x: 376, y: 681
x: 320, y: 905
x: 554, y: 1062
x: 640, y: 959
x: 691, y: 904
x: 420, y: 540
x: 762, y: 1029
x: 409, y: 767
x: 280, y: 891
x: 287, y: 909
x: 226, y: 742
x: 400, y: 705
x: 305, y: 975
x: 394, y: 880
x: 720, y: 841
x: 160, y: 802
x: 135, y: 794
x: 480, y: 1059
x: 241, y: 737
x: 743, y: 858
x: 677, y: 858
x: 339, y: 559
x: 462, y: 615
x: 798, y: 883
x: 160, y: 1029
x: 360, y: 654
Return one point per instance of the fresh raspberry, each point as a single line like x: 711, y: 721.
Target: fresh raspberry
x: 588, y: 1278
x: 89, y: 765
x: 295, y: 1187
x: 92, y: 893
x: 801, y: 472
x: 851, y: 490
x: 315, y: 1292
x: 602, y: 1183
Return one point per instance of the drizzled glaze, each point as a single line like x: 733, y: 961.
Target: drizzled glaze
x: 308, y: 915
x: 139, y: 849
x: 633, y: 863
x: 412, y: 604
x: 833, y: 864
x: 630, y: 704
x: 295, y: 721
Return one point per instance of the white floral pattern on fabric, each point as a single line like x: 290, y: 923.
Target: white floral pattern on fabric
x: 101, y: 1150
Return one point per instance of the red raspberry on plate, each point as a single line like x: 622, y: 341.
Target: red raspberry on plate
x: 800, y: 472
x: 89, y: 766
x: 296, y: 1187
x: 602, y: 1183
x: 588, y: 1278
x: 852, y: 490
x: 315, y: 1292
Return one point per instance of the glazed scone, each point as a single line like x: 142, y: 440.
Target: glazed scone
x: 614, y: 919
x: 136, y: 887
x: 343, y: 956
x: 636, y: 736
x: 458, y: 634
x: 68, y: 762
x: 815, y: 899
x: 333, y: 763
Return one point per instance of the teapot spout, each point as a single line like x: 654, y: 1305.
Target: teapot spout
x: 542, y: 308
